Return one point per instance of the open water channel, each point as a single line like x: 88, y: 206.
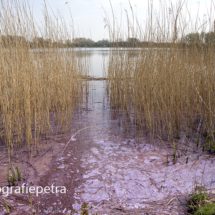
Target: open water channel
x: 114, y: 172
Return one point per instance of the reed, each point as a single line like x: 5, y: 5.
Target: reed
x: 167, y: 86
x: 40, y: 88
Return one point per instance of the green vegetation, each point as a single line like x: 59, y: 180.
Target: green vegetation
x: 40, y: 42
x: 85, y: 209
x: 12, y: 179
x: 199, y: 38
x: 210, y: 142
x: 200, y: 203
x: 7, y: 208
x: 16, y: 176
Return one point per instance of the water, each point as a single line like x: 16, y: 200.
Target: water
x: 128, y: 173
x: 99, y: 58
x: 115, y: 172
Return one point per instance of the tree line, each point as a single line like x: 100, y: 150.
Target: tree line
x: 39, y: 42
x: 199, y: 38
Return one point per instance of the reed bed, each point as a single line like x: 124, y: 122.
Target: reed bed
x: 40, y: 88
x: 166, y: 88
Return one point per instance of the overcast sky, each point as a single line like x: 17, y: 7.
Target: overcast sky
x: 88, y: 14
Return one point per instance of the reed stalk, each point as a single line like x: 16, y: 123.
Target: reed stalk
x: 167, y: 82
x: 40, y: 78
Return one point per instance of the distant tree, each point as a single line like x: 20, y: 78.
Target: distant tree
x: 10, y: 40
x: 38, y: 41
x: 78, y: 40
x: 83, y: 42
x: 120, y: 40
x: 133, y: 41
x: 210, y: 38
x: 199, y: 38
x: 193, y: 38
x: 102, y: 43
x: 47, y: 42
x: 68, y: 42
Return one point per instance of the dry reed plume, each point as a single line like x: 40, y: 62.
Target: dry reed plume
x: 168, y: 84
x: 37, y: 85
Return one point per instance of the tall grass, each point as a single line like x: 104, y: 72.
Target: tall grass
x: 168, y: 85
x: 38, y: 87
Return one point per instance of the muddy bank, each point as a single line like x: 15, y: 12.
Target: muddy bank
x: 115, y: 173
x: 107, y: 168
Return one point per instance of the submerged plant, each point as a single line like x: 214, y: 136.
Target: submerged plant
x: 7, y: 208
x: 18, y: 173
x: 210, y: 140
x: 175, y: 152
x: 85, y: 209
x: 12, y: 178
x: 187, y: 159
x: 8, y: 175
x: 16, y: 176
x: 197, y: 141
x: 205, y: 143
x: 167, y: 160
x: 14, y: 171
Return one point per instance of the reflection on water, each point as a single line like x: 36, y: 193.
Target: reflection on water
x: 97, y: 104
x: 99, y: 57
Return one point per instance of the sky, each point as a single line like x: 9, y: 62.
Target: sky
x: 88, y: 15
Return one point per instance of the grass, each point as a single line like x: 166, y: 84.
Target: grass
x: 200, y: 203
x: 165, y: 91
x: 209, y: 140
x: 15, y: 177
x: 85, y: 210
x: 40, y: 88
